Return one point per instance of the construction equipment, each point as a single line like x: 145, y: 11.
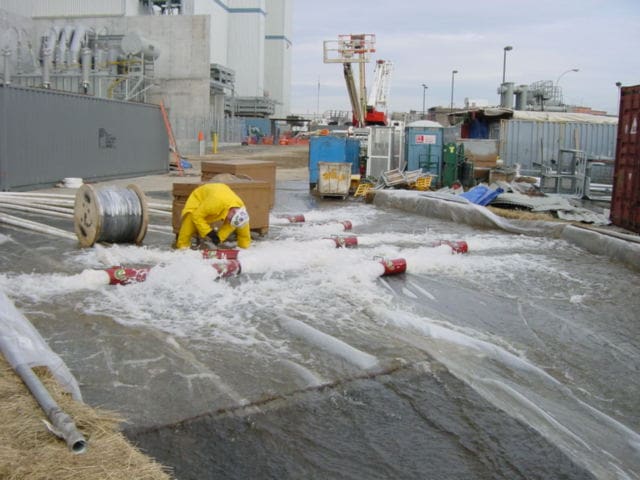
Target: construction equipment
x: 357, y: 48
x: 377, y: 104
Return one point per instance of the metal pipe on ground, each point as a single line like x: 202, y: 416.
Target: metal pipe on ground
x: 41, y: 211
x: 62, y: 425
x: 35, y: 226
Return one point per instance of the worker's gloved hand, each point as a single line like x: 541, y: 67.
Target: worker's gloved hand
x: 213, y: 237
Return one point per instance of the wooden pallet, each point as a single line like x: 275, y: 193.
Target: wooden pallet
x: 362, y: 189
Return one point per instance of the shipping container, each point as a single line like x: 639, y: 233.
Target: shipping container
x: 625, y: 203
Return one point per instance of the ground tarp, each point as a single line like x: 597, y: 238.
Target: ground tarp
x: 451, y: 207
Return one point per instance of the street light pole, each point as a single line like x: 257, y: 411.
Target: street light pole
x: 424, y: 96
x: 453, y: 73
x: 556, y: 92
x: 504, y: 61
x: 565, y: 72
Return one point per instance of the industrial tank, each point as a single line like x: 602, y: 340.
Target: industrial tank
x: 423, y: 147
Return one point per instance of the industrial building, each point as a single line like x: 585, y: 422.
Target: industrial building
x: 212, y: 63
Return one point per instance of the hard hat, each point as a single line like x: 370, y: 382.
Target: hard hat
x: 239, y: 217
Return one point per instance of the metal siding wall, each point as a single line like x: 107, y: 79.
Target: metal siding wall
x: 49, y: 136
x: 527, y: 142
x: 625, y: 204
x: 277, y: 77
x: 19, y: 7
x: 246, y: 48
x: 219, y: 29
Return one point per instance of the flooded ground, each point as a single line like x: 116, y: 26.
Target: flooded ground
x: 519, y: 359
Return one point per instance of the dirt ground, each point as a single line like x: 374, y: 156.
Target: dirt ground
x: 291, y: 160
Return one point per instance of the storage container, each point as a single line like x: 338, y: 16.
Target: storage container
x: 254, y: 169
x: 625, y: 202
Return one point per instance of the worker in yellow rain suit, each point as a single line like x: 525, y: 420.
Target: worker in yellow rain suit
x: 210, y: 203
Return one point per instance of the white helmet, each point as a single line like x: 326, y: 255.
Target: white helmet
x: 239, y: 217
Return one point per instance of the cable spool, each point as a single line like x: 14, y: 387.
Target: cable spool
x: 110, y: 215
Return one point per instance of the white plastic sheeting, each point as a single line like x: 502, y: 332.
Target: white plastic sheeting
x: 451, y: 207
x: 21, y: 344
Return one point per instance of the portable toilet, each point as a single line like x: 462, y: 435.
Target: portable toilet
x: 423, y: 147
x: 332, y: 149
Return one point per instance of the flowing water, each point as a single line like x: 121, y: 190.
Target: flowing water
x: 519, y: 359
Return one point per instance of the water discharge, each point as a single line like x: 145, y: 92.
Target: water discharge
x: 537, y: 328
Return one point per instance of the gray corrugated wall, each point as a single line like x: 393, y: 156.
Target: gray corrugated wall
x: 46, y: 136
x: 527, y: 142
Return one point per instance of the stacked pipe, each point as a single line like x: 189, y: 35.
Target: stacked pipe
x: 54, y: 205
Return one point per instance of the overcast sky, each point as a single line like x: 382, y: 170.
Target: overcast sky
x: 427, y: 39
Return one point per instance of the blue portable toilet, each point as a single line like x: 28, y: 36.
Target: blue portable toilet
x: 423, y: 147
x: 332, y: 149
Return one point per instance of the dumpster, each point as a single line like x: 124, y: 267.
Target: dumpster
x: 332, y: 149
x: 334, y: 179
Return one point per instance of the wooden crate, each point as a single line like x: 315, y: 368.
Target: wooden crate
x: 254, y: 169
x: 255, y: 195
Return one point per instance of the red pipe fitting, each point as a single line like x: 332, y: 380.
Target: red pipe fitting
x: 227, y: 268
x: 393, y: 266
x: 123, y: 276
x: 220, y: 253
x: 458, y: 246
x: 295, y: 218
x: 349, y: 241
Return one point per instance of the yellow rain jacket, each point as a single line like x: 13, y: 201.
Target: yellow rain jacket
x: 207, y: 204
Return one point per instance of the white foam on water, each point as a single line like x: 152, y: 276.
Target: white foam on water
x: 47, y: 287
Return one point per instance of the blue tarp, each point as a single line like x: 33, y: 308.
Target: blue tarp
x: 481, y: 195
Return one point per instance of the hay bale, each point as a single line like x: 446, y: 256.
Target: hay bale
x: 515, y: 214
x: 29, y: 451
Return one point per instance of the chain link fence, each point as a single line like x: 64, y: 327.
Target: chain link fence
x: 187, y: 129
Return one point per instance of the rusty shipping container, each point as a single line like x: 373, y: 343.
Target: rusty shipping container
x: 625, y: 203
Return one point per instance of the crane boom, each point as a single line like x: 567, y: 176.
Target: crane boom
x: 380, y: 89
x: 353, y: 48
x: 356, y: 107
